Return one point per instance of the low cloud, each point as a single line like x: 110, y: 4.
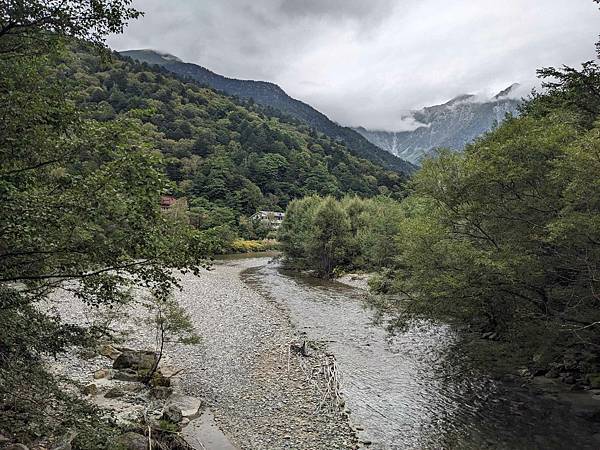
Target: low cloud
x: 368, y: 63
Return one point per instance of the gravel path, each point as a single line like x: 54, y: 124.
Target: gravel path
x: 259, y: 395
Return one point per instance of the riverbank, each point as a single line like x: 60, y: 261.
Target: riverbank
x: 257, y: 390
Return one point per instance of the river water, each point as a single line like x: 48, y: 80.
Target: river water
x: 403, y: 391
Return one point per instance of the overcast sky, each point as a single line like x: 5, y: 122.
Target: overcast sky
x: 366, y: 62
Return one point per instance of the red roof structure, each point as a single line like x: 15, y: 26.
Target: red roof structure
x: 166, y: 201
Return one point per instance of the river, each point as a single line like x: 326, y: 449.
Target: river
x: 404, y: 391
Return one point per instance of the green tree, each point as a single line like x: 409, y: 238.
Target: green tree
x: 24, y: 23
x: 505, y: 234
x: 78, y: 210
x: 327, y: 244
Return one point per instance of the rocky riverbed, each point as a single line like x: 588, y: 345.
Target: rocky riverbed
x: 261, y: 388
x: 262, y: 393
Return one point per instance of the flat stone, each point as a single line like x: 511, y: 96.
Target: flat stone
x: 189, y: 406
x: 114, y: 392
x: 101, y: 373
x: 110, y: 352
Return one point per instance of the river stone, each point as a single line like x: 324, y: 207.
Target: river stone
x: 126, y: 375
x: 90, y: 389
x: 136, y: 360
x: 110, y: 352
x: 173, y: 414
x: 133, y: 441
x: 114, y: 392
x: 189, y: 406
x: 101, y: 373
x: 16, y: 447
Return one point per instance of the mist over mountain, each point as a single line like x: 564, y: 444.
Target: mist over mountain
x: 271, y: 95
x: 451, y: 125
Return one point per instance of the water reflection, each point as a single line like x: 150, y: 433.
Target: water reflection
x: 403, y: 390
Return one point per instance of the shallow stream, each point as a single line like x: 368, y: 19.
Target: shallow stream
x: 402, y: 390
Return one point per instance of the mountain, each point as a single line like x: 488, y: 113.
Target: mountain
x: 452, y: 125
x: 229, y: 157
x: 271, y: 95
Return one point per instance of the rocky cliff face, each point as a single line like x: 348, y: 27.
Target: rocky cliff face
x: 452, y: 125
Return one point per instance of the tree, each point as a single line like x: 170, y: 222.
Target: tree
x: 171, y: 325
x: 297, y: 228
x: 24, y: 23
x: 78, y: 210
x: 505, y: 236
x: 329, y: 237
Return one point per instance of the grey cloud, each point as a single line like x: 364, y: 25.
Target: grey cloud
x: 355, y: 9
x: 366, y: 62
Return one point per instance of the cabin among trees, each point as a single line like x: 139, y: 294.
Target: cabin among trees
x: 272, y: 219
x: 175, y: 207
x: 166, y: 202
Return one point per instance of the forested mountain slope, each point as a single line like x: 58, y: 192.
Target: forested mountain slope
x: 271, y: 95
x: 221, y: 153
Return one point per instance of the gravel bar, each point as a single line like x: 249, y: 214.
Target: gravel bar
x: 256, y: 389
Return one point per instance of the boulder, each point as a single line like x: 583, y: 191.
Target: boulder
x: 110, y: 352
x: 114, y: 392
x: 101, y: 373
x: 189, y: 406
x: 136, y: 360
x: 126, y: 375
x: 90, y: 389
x: 172, y: 413
x: 133, y: 441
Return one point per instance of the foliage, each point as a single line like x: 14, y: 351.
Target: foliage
x: 325, y: 234
x: 34, y: 408
x: 226, y: 156
x: 171, y: 324
x: 276, y: 103
x: 568, y: 89
x: 253, y: 246
x: 506, y: 235
x: 79, y: 210
x: 27, y: 24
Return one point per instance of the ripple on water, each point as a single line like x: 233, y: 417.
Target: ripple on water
x: 401, y: 389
